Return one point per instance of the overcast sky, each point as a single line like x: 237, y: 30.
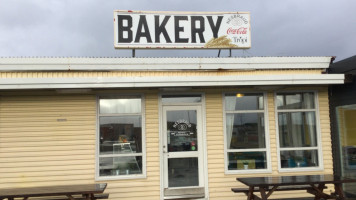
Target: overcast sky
x: 62, y: 28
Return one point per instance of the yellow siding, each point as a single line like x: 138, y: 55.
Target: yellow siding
x: 50, y: 140
x: 219, y: 183
x: 46, y: 140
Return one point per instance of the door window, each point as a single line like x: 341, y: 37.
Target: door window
x: 182, y: 140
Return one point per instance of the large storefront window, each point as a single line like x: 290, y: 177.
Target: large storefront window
x: 297, y: 127
x: 245, y: 133
x: 120, y: 137
x: 346, y: 118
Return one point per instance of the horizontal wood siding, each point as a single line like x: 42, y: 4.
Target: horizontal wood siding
x: 47, y: 140
x: 50, y: 140
x: 220, y: 184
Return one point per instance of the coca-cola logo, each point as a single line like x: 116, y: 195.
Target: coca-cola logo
x: 236, y: 31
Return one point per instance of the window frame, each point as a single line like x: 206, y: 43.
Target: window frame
x: 267, y: 148
x: 97, y: 138
x: 318, y: 132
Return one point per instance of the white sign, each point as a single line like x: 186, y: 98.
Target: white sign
x: 217, y: 30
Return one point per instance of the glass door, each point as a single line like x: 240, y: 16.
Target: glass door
x: 182, y: 147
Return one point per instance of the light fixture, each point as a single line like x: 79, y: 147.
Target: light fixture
x: 239, y: 95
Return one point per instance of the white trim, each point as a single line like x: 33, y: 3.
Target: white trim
x: 267, y: 149
x: 186, y: 154
x: 187, y: 81
x: 318, y: 132
x: 143, y: 154
x: 201, y: 106
x: 149, y: 64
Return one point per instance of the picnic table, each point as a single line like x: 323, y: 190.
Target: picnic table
x: 63, y: 192
x: 313, y: 184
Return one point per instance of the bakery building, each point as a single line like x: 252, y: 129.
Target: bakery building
x: 164, y: 128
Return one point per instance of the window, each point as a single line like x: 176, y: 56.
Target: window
x: 346, y: 118
x: 245, y: 133
x: 121, y: 137
x: 297, y: 130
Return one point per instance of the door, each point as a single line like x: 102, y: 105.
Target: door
x: 182, y: 151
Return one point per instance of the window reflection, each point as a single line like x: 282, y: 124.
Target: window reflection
x: 121, y: 106
x: 302, y: 158
x: 247, y: 160
x: 120, y: 136
x: 183, y: 172
x: 245, y: 101
x: 116, y: 131
x: 346, y: 118
x: 297, y: 129
x: 115, y: 166
x: 247, y: 130
x: 303, y: 100
x: 182, y: 130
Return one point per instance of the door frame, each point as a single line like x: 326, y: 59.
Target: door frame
x: 203, y: 142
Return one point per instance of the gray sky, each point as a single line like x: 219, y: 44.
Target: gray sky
x: 85, y: 27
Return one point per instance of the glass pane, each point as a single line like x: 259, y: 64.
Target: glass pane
x: 120, y: 135
x: 115, y: 166
x: 247, y: 160
x: 183, y: 172
x: 120, y: 106
x: 242, y: 101
x: 299, y: 158
x: 182, y: 130
x: 295, y: 100
x: 181, y: 98
x: 245, y: 131
x: 297, y: 129
x: 346, y: 118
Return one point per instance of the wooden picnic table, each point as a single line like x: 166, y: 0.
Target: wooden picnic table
x: 87, y: 191
x: 316, y: 184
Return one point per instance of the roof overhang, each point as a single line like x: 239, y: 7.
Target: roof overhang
x: 162, y: 64
x: 192, y: 81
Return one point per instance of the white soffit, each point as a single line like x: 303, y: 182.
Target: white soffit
x: 151, y: 64
x: 144, y: 82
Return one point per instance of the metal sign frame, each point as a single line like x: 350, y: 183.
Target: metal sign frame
x: 181, y: 30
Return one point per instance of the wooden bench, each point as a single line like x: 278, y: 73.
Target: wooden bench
x: 280, y: 188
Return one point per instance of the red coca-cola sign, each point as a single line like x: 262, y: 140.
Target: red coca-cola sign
x: 236, y: 31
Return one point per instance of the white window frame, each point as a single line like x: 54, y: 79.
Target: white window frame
x: 267, y: 138
x: 318, y: 132
x: 143, y: 136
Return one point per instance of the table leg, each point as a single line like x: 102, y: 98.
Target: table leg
x: 86, y: 196
x: 339, y: 191
x: 263, y: 193
x: 250, y: 193
x: 318, y: 192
